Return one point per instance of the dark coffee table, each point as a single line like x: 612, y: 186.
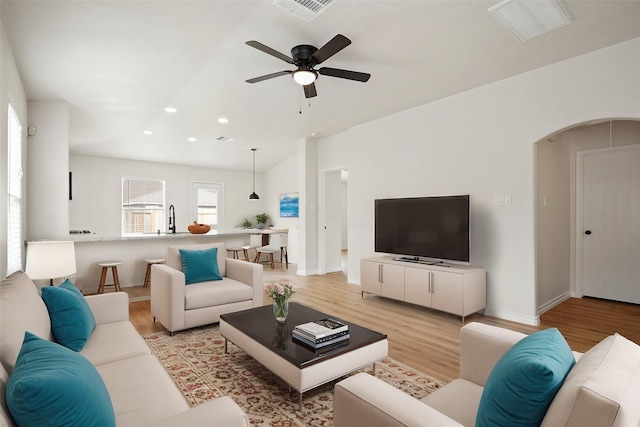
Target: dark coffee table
x: 257, y: 332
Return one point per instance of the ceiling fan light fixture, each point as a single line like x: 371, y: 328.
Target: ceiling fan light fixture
x: 305, y: 77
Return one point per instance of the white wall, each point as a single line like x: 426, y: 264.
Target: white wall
x: 282, y: 178
x: 97, y: 192
x: 331, y: 228
x: 48, y: 160
x: 553, y: 222
x: 344, y: 214
x: 10, y: 86
x: 307, y: 161
x: 481, y: 142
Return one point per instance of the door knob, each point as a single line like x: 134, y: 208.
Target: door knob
x: 588, y: 232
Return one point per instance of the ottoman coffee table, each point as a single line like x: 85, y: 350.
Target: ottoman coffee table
x: 257, y: 332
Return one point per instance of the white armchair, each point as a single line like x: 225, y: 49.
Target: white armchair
x: 601, y: 389
x: 179, y: 306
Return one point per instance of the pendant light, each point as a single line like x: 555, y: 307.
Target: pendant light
x: 254, y: 196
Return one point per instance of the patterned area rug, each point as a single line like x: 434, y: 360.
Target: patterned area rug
x: 196, y: 361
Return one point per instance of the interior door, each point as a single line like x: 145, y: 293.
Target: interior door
x: 611, y: 224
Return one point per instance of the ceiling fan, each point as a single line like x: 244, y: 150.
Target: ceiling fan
x: 305, y: 57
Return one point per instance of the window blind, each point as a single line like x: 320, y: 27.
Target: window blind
x: 142, y: 205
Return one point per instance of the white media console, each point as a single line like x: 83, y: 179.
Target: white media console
x: 455, y: 289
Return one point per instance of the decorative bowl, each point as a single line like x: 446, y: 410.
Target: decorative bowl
x: 196, y: 228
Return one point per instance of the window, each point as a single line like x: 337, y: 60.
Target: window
x: 207, y: 204
x: 142, y: 206
x: 14, y: 218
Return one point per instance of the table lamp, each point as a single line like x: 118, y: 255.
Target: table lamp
x: 50, y: 260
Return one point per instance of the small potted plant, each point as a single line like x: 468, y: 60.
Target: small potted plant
x: 262, y: 220
x: 246, y: 223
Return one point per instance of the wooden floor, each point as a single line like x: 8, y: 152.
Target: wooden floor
x: 426, y: 339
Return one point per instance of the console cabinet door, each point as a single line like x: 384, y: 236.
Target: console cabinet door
x: 417, y: 288
x: 370, y: 276
x: 446, y: 292
x: 392, y: 281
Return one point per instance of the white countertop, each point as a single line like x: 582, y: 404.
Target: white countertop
x: 80, y: 238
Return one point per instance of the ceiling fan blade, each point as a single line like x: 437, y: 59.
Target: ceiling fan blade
x: 270, y: 51
x: 334, y: 46
x: 268, y: 76
x: 310, y: 90
x: 344, y: 74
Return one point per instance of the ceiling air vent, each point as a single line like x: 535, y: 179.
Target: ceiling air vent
x: 305, y: 9
x: 527, y: 19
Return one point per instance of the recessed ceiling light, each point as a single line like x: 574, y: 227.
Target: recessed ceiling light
x: 170, y: 110
x: 191, y: 139
x: 147, y: 132
x: 223, y: 120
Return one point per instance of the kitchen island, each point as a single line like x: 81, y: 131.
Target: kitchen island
x: 133, y: 250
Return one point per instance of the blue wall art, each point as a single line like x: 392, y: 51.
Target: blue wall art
x: 289, y: 203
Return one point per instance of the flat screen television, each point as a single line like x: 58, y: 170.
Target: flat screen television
x: 429, y: 227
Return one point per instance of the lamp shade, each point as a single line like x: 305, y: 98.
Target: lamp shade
x: 50, y: 260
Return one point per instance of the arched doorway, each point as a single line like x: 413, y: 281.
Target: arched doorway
x: 556, y: 213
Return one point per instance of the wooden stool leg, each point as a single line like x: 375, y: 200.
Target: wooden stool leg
x: 103, y: 279
x: 271, y: 258
x: 116, y: 279
x: 257, y: 258
x: 147, y: 276
x: 284, y: 257
x: 246, y: 254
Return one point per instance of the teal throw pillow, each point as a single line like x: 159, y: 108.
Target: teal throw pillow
x: 72, y: 320
x: 525, y: 380
x: 54, y: 386
x: 200, y: 265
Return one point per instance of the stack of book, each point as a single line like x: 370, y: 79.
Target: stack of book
x: 323, y: 334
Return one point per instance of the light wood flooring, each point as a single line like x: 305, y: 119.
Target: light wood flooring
x: 425, y: 339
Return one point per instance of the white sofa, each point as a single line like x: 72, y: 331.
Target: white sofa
x: 178, y: 306
x: 602, y: 388
x: 141, y: 391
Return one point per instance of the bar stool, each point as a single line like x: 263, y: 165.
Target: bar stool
x: 147, y: 275
x: 255, y: 242
x: 245, y: 251
x: 106, y: 265
x: 235, y: 252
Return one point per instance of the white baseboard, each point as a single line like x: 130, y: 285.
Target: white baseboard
x: 534, y: 321
x: 554, y: 302
x: 307, y: 272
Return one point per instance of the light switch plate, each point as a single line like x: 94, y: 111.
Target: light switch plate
x: 503, y: 200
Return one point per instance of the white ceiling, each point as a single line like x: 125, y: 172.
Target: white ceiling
x: 120, y: 63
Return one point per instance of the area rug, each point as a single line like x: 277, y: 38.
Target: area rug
x: 196, y: 361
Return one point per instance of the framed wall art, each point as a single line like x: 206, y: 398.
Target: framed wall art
x: 289, y: 205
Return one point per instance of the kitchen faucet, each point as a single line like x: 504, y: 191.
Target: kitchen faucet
x: 172, y: 219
